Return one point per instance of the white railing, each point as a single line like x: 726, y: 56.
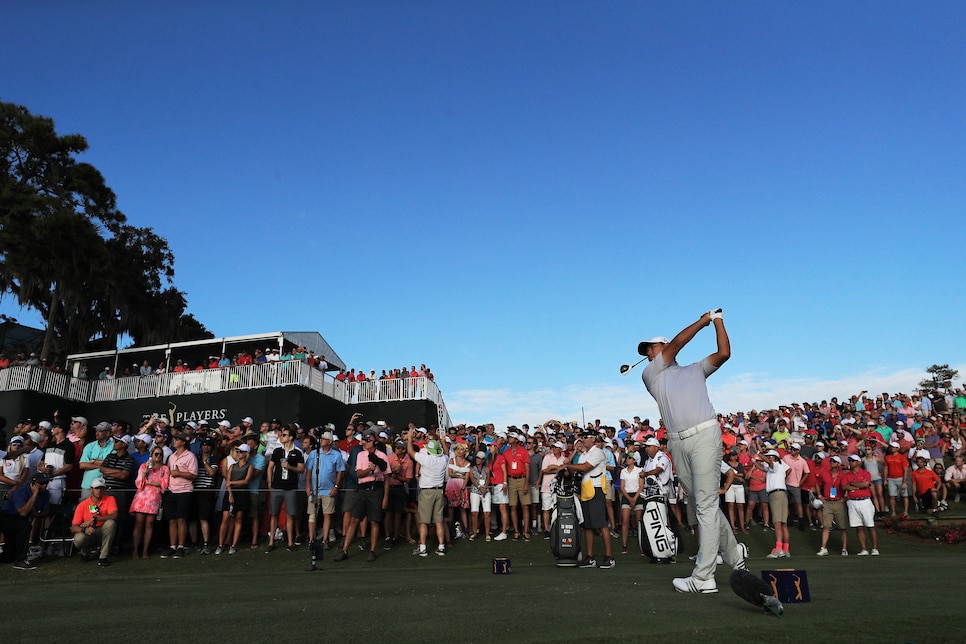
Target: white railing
x: 24, y: 378
x: 206, y: 381
x: 396, y: 389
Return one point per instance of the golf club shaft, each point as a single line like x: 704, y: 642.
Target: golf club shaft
x: 633, y: 365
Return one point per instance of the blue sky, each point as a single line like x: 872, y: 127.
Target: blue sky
x: 517, y: 193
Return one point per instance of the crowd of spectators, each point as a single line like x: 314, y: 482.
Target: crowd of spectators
x: 387, y: 374
x: 217, y: 488
x: 24, y: 359
x: 221, y: 361
x: 244, y: 357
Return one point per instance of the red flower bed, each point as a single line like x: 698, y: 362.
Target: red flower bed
x: 934, y: 531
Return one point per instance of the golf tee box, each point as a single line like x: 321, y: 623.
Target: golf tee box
x: 501, y: 566
x: 789, y: 585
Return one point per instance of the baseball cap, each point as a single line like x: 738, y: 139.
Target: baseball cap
x: 247, y: 419
x: 326, y: 436
x: 642, y: 347
x: 103, y: 427
x: 433, y: 447
x: 39, y: 477
x: 652, y: 442
x: 244, y: 448
x: 836, y: 459
x: 855, y: 458
x: 35, y: 437
x: 78, y: 419
x: 796, y: 446
x: 179, y: 437
x: 771, y: 452
x: 894, y: 444
x: 481, y: 455
x: 99, y: 482
x: 559, y: 444
x: 224, y: 423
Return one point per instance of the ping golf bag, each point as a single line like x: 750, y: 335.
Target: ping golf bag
x: 656, y: 535
x: 565, y: 520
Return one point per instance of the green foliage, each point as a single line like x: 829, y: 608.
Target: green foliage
x: 941, y: 377
x: 67, y: 252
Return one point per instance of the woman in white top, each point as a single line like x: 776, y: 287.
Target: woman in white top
x: 632, y: 478
x: 479, y: 496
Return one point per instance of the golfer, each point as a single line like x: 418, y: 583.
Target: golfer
x: 694, y: 440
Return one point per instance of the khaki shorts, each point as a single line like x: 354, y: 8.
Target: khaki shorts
x: 518, y: 492
x: 324, y: 502
x: 430, y: 506
x: 835, y: 512
x: 778, y: 504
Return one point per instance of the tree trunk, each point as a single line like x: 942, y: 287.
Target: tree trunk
x: 51, y: 319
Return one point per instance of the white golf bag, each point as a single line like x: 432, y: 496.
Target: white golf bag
x: 655, y: 533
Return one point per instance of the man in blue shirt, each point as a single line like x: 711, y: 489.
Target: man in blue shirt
x: 324, y: 468
x: 17, y: 514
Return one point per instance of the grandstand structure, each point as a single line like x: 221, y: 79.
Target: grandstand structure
x: 292, y: 390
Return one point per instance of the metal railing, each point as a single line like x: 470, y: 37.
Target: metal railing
x: 26, y: 378
x: 206, y: 381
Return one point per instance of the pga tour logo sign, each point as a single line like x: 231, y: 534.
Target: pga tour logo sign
x: 662, y: 539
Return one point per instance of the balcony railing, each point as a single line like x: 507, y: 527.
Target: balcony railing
x: 206, y: 381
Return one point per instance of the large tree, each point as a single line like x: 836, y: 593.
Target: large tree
x: 67, y: 252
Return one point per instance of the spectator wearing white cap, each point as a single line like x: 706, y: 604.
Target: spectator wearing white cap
x: 830, y: 492
x: 324, y: 470
x: 896, y: 471
x: 95, y: 522
x: 518, y: 493
x: 549, y: 466
x: 142, y: 449
x: 861, y: 510
x: 927, y: 484
x: 798, y: 469
x: 776, y: 470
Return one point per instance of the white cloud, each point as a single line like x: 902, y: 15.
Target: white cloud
x: 612, y: 402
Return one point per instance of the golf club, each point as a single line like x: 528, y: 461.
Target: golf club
x: 626, y: 368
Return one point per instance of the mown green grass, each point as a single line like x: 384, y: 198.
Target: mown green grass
x: 902, y: 596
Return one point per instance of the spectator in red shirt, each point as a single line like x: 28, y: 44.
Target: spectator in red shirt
x: 856, y: 483
x: 896, y: 467
x: 518, y: 493
x: 927, y: 483
x: 498, y: 480
x: 829, y: 490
